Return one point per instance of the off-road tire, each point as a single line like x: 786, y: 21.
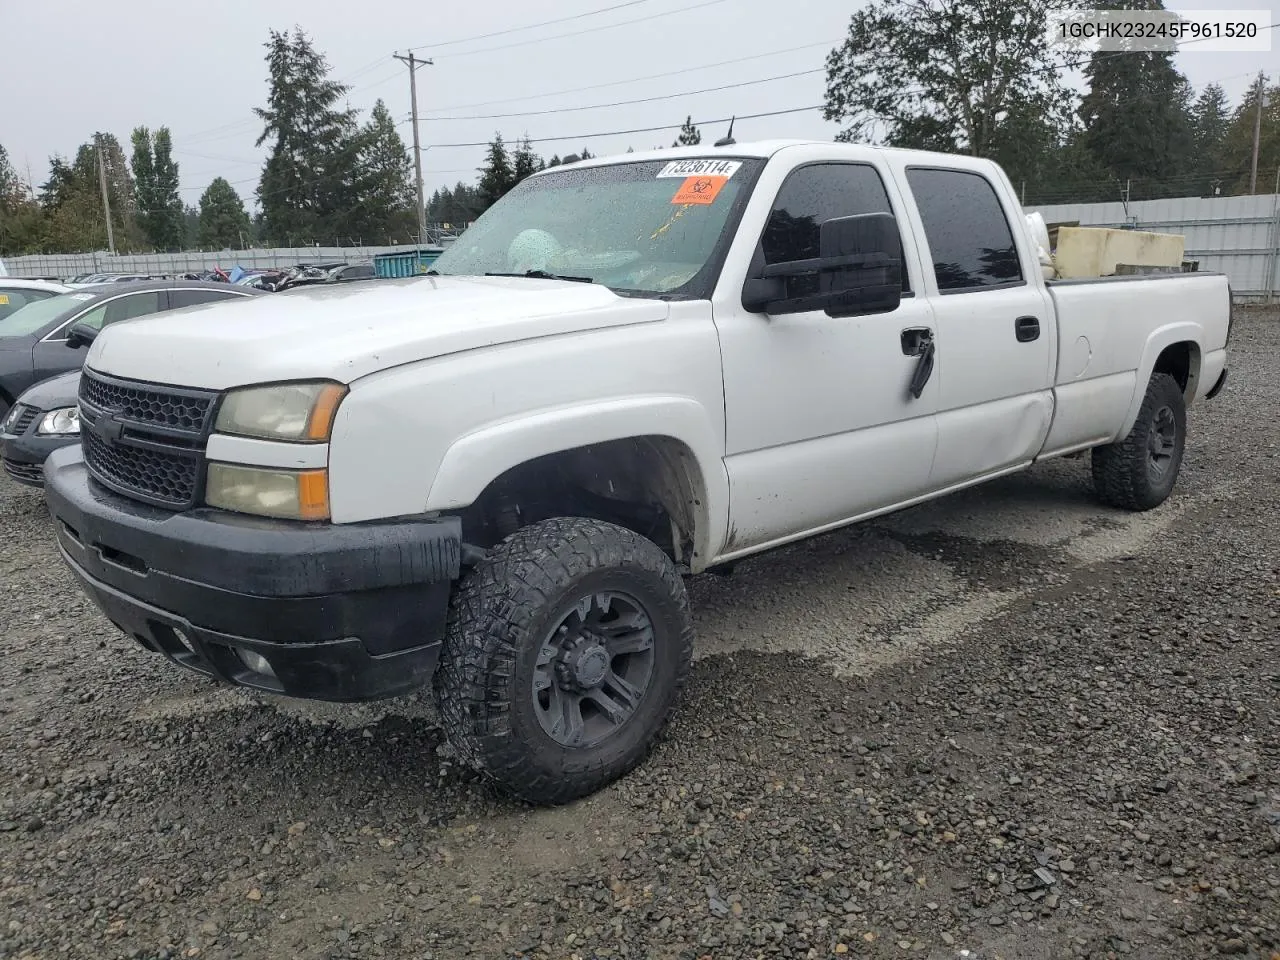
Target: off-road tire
x: 499, y: 615
x: 1123, y: 472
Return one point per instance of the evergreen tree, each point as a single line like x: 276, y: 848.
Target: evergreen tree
x: 21, y: 218
x: 223, y: 220
x: 190, y: 224
x: 497, y: 175
x: 167, y: 212
x: 385, y: 195
x: 144, y: 178
x: 690, y: 136
x: 72, y: 200
x: 1136, y: 116
x: 1237, y: 150
x: 525, y: 161
x: 306, y: 185
x: 555, y: 160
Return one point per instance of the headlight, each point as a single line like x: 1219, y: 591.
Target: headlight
x: 299, y: 412
x: 63, y: 422
x: 290, y: 494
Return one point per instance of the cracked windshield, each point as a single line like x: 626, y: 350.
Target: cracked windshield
x: 648, y: 228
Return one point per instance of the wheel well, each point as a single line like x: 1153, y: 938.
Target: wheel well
x: 1182, y: 362
x: 651, y: 485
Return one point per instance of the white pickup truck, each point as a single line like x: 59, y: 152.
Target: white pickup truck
x: 494, y: 476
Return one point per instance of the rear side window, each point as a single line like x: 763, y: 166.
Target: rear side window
x: 134, y: 305
x: 969, y: 237
x: 810, y: 195
x: 189, y: 298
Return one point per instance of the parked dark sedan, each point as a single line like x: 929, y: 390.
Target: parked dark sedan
x: 33, y: 340
x: 45, y: 418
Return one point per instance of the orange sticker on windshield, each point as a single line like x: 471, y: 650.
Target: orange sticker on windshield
x: 699, y: 190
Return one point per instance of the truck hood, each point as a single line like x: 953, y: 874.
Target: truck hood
x: 348, y: 331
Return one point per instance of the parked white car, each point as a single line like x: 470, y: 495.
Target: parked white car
x: 627, y: 370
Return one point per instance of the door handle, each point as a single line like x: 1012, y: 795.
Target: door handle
x: 1026, y: 329
x: 915, y: 339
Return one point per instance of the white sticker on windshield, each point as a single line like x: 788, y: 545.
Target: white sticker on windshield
x: 81, y: 296
x: 700, y: 168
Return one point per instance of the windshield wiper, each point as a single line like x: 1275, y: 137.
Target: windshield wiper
x: 542, y: 275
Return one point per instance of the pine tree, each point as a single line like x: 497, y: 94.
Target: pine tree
x: 223, y: 220
x: 385, y: 195
x: 497, y: 175
x: 690, y: 136
x: 1237, y: 151
x: 155, y: 177
x: 144, y: 178
x: 306, y: 186
x: 526, y: 162
x: 72, y: 200
x: 21, y: 218
x: 1136, y: 116
x: 167, y: 213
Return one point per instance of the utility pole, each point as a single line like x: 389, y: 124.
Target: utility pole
x: 102, y: 182
x: 1257, y: 135
x: 414, y: 63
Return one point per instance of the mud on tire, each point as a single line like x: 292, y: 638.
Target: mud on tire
x: 1139, y: 472
x: 563, y: 612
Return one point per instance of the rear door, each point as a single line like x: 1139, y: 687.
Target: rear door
x: 53, y: 355
x: 996, y: 336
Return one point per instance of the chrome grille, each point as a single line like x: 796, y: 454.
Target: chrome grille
x: 145, y: 440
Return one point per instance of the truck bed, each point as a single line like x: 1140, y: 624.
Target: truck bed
x: 1110, y: 332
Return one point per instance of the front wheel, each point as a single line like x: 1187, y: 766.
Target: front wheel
x: 566, y: 649
x: 1138, y: 473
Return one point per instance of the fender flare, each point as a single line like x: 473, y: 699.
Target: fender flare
x: 476, y: 459
x: 1160, y: 338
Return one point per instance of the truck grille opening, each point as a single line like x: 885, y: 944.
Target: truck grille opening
x: 145, y: 440
x: 187, y: 410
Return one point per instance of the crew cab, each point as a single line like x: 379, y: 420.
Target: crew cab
x: 494, y: 477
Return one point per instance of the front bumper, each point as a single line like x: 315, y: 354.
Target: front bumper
x: 343, y: 612
x: 23, y: 455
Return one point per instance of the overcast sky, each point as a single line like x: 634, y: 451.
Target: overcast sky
x: 71, y: 68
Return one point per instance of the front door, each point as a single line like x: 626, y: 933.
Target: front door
x: 820, y: 425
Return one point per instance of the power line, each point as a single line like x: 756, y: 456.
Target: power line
x: 651, y: 76
x: 627, y: 103
x: 579, y: 33
x: 530, y: 26
x: 620, y: 133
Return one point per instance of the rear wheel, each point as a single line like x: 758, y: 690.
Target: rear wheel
x: 565, y: 652
x: 1139, y: 472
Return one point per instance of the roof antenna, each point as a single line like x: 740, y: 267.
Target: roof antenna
x: 727, y: 139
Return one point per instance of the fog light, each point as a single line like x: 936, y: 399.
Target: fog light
x: 256, y: 662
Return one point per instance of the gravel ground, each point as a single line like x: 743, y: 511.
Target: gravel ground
x: 1012, y: 723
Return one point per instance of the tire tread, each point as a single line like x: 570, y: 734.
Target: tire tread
x: 500, y: 599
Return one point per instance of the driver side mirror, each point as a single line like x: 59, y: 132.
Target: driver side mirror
x: 858, y: 270
x: 81, y: 335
